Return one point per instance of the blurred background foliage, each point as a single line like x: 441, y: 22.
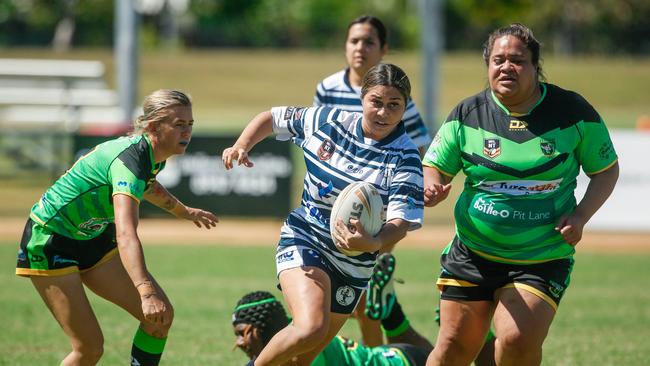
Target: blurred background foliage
x: 567, y: 26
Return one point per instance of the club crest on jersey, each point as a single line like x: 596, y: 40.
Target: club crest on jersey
x: 293, y: 113
x: 491, y: 148
x: 326, y: 150
x: 548, y: 147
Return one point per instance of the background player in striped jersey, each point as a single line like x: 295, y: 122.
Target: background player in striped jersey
x: 90, y: 215
x: 365, y: 46
x: 320, y: 284
x: 521, y: 144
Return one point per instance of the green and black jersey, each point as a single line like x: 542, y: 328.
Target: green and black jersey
x: 344, y: 352
x: 521, y: 170
x: 79, y: 204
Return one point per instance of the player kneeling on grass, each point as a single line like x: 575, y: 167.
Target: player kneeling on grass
x: 258, y: 316
x: 90, y: 215
x: 320, y: 283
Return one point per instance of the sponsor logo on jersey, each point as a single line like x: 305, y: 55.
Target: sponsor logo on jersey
x: 325, y: 190
x: 606, y: 150
x: 548, y: 147
x: 315, y: 216
x: 134, y: 187
x: 487, y: 208
x: 36, y: 258
x: 285, y: 257
x: 326, y: 150
x: 521, y: 187
x: 345, y: 295
x: 555, y: 289
x: 517, y: 125
x: 58, y: 259
x: 389, y: 354
x: 350, y: 168
x: 21, y: 255
x: 491, y: 148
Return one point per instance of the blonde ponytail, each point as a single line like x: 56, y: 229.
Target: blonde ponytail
x: 155, y: 107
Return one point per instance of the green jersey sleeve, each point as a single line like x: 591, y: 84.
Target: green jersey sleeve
x: 444, y: 151
x: 596, y: 151
x: 123, y: 181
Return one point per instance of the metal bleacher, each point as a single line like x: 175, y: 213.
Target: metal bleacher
x: 42, y: 103
x: 55, y: 94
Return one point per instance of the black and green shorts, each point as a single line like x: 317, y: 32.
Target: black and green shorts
x: 467, y: 276
x: 43, y: 252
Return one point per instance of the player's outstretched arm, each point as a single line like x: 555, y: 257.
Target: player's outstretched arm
x: 260, y: 127
x: 159, y: 196
x: 436, y: 186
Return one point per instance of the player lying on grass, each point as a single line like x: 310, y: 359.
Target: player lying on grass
x: 258, y: 316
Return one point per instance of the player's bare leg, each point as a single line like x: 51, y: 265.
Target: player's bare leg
x: 370, y: 329
x: 521, y: 321
x: 111, y: 281
x: 463, y: 328
x: 66, y: 299
x: 306, y: 291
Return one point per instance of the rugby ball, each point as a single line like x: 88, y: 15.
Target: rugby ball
x: 361, y: 201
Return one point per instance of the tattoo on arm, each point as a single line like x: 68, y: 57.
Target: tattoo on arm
x: 163, y: 197
x: 169, y: 204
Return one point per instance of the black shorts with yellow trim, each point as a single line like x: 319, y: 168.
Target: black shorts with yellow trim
x: 467, y: 276
x: 43, y: 252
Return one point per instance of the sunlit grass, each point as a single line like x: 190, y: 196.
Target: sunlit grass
x: 603, y: 316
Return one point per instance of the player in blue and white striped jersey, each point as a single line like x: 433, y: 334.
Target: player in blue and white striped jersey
x: 321, y: 285
x: 365, y: 46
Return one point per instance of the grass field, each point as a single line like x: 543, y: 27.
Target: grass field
x: 603, y: 319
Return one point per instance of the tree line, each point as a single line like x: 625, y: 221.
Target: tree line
x: 565, y: 26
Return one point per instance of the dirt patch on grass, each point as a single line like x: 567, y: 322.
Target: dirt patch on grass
x: 267, y: 232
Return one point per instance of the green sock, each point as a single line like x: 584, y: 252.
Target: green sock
x: 398, y: 330
x: 146, y: 349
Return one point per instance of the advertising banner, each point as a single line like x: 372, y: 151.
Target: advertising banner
x: 628, y: 208
x: 199, y: 179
